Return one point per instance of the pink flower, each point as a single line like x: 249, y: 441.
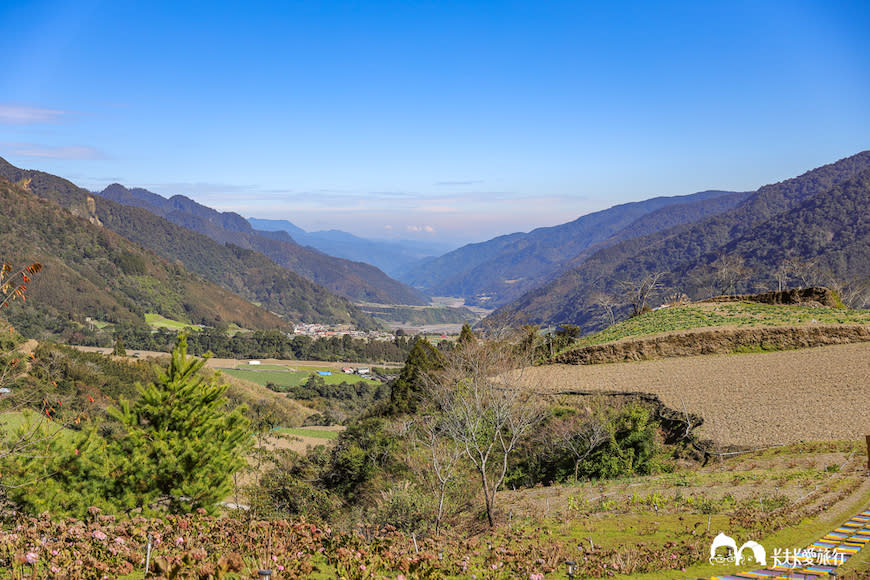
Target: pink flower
x: 98, y: 535
x: 400, y: 577
x: 536, y: 576
x: 54, y: 552
x: 31, y: 558
x: 274, y: 558
x: 280, y: 568
x: 179, y: 540
x: 119, y: 540
x: 362, y: 567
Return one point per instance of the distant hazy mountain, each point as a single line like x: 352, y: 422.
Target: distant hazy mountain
x: 495, y: 272
x: 391, y: 256
x: 819, y: 218
x: 92, y: 272
x: 242, y: 271
x: 355, y: 280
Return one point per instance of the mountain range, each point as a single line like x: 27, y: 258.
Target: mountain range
x: 814, y: 228
x: 498, y: 271
x: 244, y: 272
x: 811, y: 228
x: 357, y: 281
x: 391, y: 256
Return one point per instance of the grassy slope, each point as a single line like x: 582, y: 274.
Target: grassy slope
x: 721, y: 314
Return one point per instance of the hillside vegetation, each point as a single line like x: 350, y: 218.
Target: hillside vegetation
x: 242, y: 271
x: 90, y: 272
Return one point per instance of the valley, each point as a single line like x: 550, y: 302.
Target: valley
x: 646, y: 411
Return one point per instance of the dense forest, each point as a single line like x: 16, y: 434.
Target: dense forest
x: 266, y: 344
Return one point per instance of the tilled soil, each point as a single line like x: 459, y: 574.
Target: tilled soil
x: 812, y: 394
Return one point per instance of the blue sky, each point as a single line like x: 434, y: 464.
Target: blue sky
x: 445, y: 120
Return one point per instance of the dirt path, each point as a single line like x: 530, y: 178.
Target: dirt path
x: 746, y: 399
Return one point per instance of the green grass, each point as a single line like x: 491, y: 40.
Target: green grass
x: 718, y: 314
x: 157, y: 321
x: 261, y: 367
x: 288, y: 378
x: 12, y: 421
x: 319, y: 434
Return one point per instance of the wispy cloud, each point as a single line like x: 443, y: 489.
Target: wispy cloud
x: 53, y: 152
x: 459, y: 183
x: 27, y: 115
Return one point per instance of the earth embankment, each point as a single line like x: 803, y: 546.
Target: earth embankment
x: 707, y: 341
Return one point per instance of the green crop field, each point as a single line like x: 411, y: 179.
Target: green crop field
x: 316, y: 433
x: 157, y: 321
x: 289, y: 378
x: 717, y: 314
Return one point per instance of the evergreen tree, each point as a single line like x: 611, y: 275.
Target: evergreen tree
x: 181, y: 446
x: 63, y: 472
x: 406, y: 389
x: 466, y: 335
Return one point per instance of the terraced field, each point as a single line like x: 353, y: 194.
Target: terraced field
x: 754, y: 399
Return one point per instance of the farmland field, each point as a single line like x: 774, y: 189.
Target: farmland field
x: 289, y: 377
x: 753, y: 399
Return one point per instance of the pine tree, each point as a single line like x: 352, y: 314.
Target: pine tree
x: 406, y: 390
x: 466, y: 335
x: 119, y: 349
x: 181, y: 446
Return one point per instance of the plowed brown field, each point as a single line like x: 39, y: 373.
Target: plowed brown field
x: 745, y: 399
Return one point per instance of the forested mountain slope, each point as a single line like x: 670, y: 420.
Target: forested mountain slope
x: 244, y: 272
x: 751, y: 237
x: 91, y: 272
x: 355, y: 280
x: 502, y: 269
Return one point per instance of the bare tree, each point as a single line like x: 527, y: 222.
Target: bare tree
x: 807, y: 272
x: 854, y: 293
x: 782, y: 274
x: 580, y: 435
x: 638, y: 292
x: 486, y: 407
x: 730, y: 270
x: 608, y: 302
x: 444, y: 456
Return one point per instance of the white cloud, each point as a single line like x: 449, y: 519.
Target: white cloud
x: 51, y: 152
x: 26, y: 115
